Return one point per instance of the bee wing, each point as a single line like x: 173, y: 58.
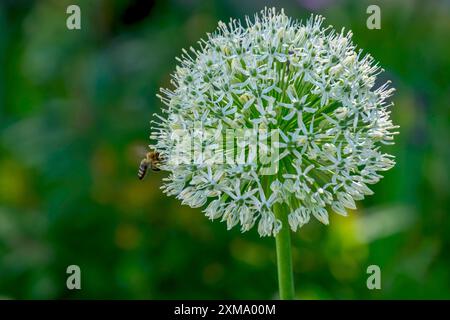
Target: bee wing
x: 140, y: 151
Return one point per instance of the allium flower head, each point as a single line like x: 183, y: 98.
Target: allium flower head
x: 310, y: 95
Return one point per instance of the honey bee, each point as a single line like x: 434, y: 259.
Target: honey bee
x: 153, y: 160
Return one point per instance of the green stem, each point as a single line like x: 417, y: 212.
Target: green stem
x: 284, y: 256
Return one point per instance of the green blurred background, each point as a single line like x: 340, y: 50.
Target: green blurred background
x: 75, y: 108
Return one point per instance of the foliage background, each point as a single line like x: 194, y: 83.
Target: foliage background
x: 74, y: 117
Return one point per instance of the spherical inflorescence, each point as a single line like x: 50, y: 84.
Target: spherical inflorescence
x: 309, y: 92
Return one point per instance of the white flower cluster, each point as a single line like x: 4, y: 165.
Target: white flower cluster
x: 304, y: 81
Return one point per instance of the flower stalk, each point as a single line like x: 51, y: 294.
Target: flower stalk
x: 284, y: 257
